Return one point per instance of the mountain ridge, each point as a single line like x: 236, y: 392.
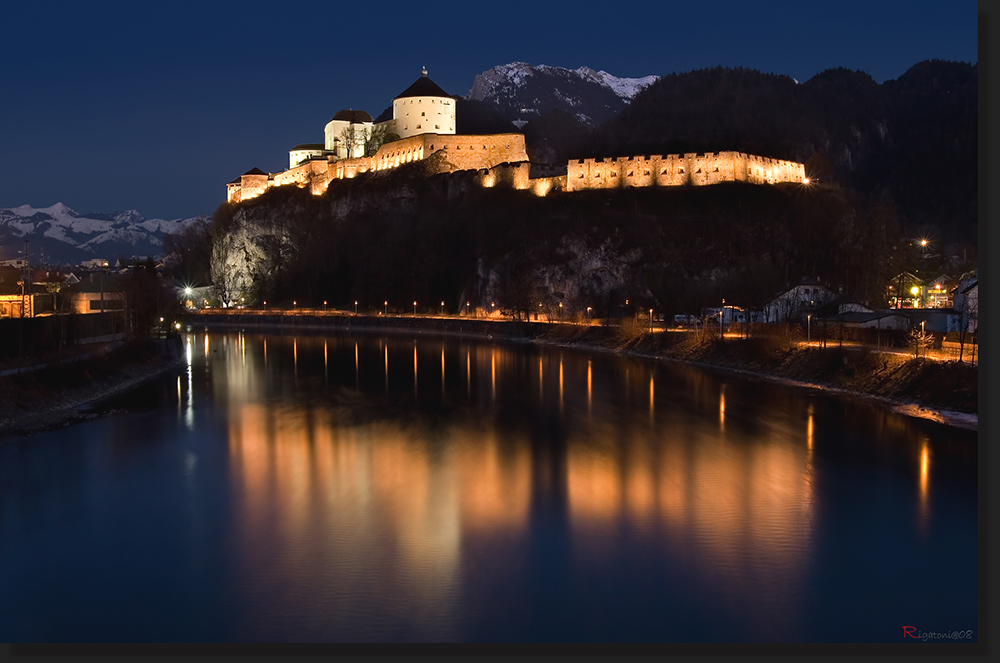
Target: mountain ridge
x: 58, y: 234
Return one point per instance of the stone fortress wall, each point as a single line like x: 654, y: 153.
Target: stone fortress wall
x: 465, y: 152
x: 679, y: 170
x: 501, y: 159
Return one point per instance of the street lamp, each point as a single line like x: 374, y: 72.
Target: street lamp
x: 355, y: 307
x: 589, y: 315
x: 808, y: 327
x: 560, y: 310
x: 386, y: 303
x: 650, y: 320
x: 294, y: 304
x: 414, y: 308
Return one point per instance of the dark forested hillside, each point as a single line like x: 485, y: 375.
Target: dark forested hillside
x: 891, y: 163
x: 401, y: 236
x: 912, y: 140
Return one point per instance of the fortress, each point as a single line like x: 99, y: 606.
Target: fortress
x: 423, y: 124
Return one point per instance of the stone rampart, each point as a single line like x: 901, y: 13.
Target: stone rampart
x: 678, y: 170
x: 502, y: 159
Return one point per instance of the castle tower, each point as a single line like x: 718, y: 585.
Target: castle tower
x: 423, y: 108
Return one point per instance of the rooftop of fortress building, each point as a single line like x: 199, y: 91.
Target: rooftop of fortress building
x: 255, y: 171
x: 352, y: 116
x: 423, y: 87
x: 310, y: 146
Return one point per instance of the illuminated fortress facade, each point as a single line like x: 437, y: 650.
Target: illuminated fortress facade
x: 423, y: 124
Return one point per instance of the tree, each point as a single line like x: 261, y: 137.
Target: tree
x: 352, y: 138
x: 188, y: 253
x: 376, y: 136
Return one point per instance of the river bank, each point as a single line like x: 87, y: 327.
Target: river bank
x: 944, y: 391
x: 62, y: 394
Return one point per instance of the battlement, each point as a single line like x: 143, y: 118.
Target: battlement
x: 679, y: 170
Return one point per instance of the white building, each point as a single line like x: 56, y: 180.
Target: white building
x: 419, y: 109
x: 795, y: 303
x: 346, y: 134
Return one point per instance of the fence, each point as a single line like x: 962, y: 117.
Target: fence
x: 32, y: 337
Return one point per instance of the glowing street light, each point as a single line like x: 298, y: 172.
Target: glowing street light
x: 809, y: 327
x: 324, y: 305
x: 355, y: 307
x: 294, y: 304
x: 650, y: 320
x: 805, y: 180
x: 386, y: 303
x: 414, y: 307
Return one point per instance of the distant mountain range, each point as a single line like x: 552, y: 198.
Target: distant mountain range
x: 523, y: 92
x: 59, y: 236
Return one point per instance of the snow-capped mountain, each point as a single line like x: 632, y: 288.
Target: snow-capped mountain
x: 523, y: 91
x: 58, y: 235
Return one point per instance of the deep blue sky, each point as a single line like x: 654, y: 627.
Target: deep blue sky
x: 156, y: 106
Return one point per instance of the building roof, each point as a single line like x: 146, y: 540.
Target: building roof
x: 255, y: 171
x: 352, y: 116
x: 308, y: 146
x: 423, y: 87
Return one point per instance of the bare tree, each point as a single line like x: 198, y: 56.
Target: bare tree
x: 353, y: 139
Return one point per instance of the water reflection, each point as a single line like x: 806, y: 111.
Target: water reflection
x: 358, y: 488
x: 742, y: 501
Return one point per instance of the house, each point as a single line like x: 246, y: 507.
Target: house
x: 794, y: 304
x: 97, y: 292
x: 904, y: 290
x: 870, y: 319
x: 937, y: 292
x: 965, y: 296
x: 932, y: 319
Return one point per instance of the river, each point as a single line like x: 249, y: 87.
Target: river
x: 370, y: 488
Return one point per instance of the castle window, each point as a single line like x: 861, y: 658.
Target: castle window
x: 664, y: 172
x: 597, y: 175
x: 716, y: 169
x: 581, y: 176
x: 614, y: 173
x: 680, y: 170
x: 698, y: 171
x: 436, y: 127
x: 647, y: 172
x: 418, y: 126
x: 630, y: 173
x: 422, y: 114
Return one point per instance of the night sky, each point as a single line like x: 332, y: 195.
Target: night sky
x: 156, y: 106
